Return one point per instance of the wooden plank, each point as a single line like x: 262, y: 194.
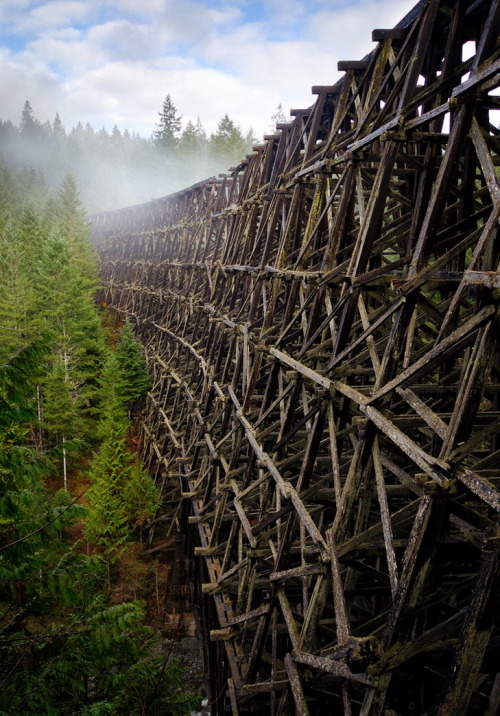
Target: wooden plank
x: 341, y: 613
x: 344, y: 65
x: 479, y: 486
x: 394, y: 34
x: 385, y: 518
x: 338, y: 668
x: 301, y: 708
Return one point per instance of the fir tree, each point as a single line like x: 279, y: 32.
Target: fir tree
x: 278, y: 117
x: 106, y: 665
x: 29, y: 126
x: 69, y: 385
x: 57, y: 127
x: 18, y: 300
x: 168, y: 127
x: 193, y: 139
x: 132, y: 365
x: 228, y: 144
x: 63, y: 648
x: 123, y: 496
x: 75, y: 231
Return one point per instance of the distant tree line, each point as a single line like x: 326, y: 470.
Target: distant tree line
x: 120, y: 168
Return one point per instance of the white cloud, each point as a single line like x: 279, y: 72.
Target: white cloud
x: 12, y: 10
x: 27, y: 82
x: 107, y: 61
x: 122, y: 39
x: 54, y: 15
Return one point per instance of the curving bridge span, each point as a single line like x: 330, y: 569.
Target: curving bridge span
x: 322, y: 329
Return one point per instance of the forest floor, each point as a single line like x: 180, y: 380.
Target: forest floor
x: 156, y: 575
x: 160, y: 579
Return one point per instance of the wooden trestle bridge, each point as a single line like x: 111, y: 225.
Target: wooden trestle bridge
x: 322, y: 328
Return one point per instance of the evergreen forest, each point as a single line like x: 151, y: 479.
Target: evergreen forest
x: 120, y: 168
x: 74, y: 498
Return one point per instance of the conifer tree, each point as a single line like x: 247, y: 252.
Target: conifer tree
x: 228, y: 144
x: 8, y: 192
x: 193, y: 139
x: 31, y: 232
x: 132, y: 366
x: 18, y: 317
x: 106, y: 523
x: 63, y: 413
x: 75, y: 231
x: 278, y: 117
x: 168, y: 127
x: 69, y: 384
x: 123, y: 496
x: 25, y: 504
x: 29, y: 126
x: 58, y: 127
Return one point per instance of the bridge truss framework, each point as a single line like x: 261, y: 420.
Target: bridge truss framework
x: 322, y: 329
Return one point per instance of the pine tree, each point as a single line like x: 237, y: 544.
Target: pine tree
x: 29, y: 126
x: 8, y: 191
x: 193, y: 139
x: 18, y: 301
x: 57, y: 127
x: 25, y: 505
x: 132, y: 365
x: 31, y: 232
x: 63, y: 413
x: 228, y: 144
x: 169, y: 126
x: 116, y: 135
x: 75, y: 231
x: 69, y: 383
x: 123, y: 496
x: 278, y: 117
x: 107, y: 665
x: 106, y: 523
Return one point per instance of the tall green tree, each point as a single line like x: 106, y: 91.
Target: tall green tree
x: 193, y: 140
x: 69, y: 381
x: 115, y: 168
x: 122, y: 496
x: 135, y: 380
x: 18, y: 299
x: 169, y: 126
x: 58, y: 127
x: 72, y: 226
x: 29, y: 126
x: 228, y: 144
x: 63, y: 648
x: 30, y: 517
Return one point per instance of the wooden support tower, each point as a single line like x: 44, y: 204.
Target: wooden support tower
x: 322, y: 329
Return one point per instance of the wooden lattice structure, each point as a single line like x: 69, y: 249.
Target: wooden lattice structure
x: 322, y: 330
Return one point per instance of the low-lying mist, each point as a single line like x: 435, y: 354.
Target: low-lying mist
x: 113, y: 170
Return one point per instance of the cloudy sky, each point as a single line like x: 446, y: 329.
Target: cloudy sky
x: 114, y: 61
